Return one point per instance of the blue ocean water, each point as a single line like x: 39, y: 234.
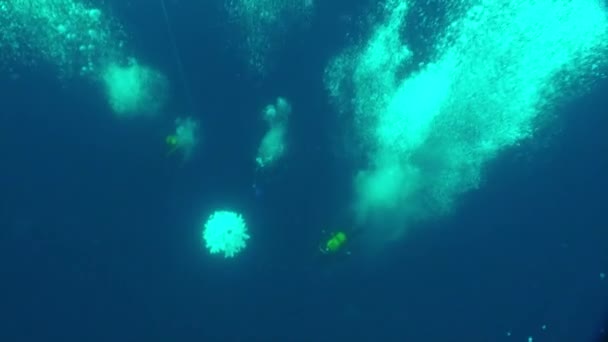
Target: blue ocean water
x: 100, y: 230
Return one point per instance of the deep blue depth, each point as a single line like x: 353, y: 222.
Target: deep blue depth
x: 100, y: 230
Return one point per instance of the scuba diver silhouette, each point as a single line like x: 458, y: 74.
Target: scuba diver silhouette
x: 334, y: 244
x: 337, y: 242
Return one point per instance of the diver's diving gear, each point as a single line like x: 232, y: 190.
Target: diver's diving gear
x: 335, y: 243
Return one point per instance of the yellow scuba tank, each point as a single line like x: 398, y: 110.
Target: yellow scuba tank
x: 336, y: 241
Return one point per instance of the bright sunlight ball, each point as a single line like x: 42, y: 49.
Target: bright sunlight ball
x: 225, y: 232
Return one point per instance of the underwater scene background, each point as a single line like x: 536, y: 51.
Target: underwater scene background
x: 267, y: 170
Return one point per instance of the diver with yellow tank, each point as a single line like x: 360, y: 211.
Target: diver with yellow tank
x: 335, y: 243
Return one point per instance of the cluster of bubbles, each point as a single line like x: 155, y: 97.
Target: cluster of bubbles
x: 428, y: 127
x: 265, y: 23
x: 272, y: 146
x: 78, y: 39
x: 133, y: 89
x: 71, y: 35
x: 225, y: 232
